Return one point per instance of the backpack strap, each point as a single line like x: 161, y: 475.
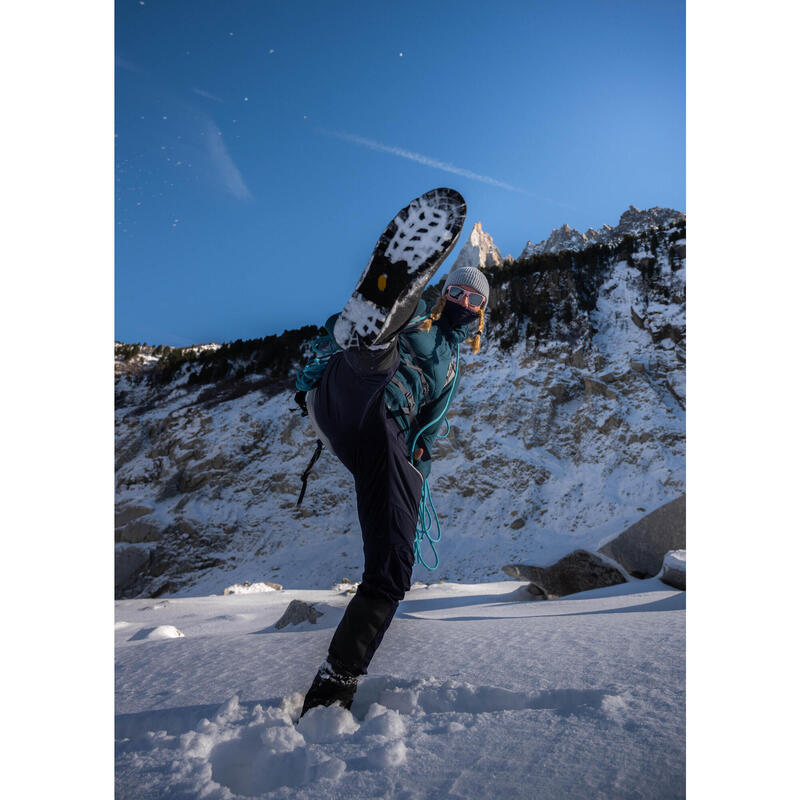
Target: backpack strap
x: 410, y: 409
x: 411, y: 363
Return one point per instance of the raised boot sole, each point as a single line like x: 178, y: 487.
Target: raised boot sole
x: 404, y: 260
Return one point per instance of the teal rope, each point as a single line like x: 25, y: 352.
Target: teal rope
x: 427, y: 516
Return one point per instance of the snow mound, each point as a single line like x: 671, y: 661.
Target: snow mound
x: 675, y: 559
x: 381, y: 721
x: 426, y: 696
x: 392, y: 754
x: 251, y: 588
x: 326, y: 723
x: 159, y: 632
x: 252, y: 754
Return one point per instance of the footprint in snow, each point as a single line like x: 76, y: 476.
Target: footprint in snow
x: 155, y: 607
x: 251, y: 750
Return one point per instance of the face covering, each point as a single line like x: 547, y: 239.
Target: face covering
x: 458, y: 315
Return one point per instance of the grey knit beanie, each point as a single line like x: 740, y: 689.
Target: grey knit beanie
x: 468, y: 276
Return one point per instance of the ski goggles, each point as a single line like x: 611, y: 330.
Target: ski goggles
x: 475, y: 299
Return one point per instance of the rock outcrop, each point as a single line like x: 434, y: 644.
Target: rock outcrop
x: 297, y: 612
x: 634, y: 221
x: 129, y: 560
x: 479, y: 250
x: 577, y: 572
x: 673, y: 571
x: 641, y: 548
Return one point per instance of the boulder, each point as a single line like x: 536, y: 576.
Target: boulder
x: 141, y: 529
x: 641, y: 548
x: 591, y: 386
x: 673, y: 570
x: 577, y: 572
x: 296, y: 612
x: 534, y: 592
x: 637, y: 366
x: 638, y: 321
x: 126, y: 512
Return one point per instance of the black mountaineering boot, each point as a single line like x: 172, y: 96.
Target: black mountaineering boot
x: 330, y: 687
x: 404, y: 260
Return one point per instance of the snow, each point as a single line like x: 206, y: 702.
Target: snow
x: 358, y: 316
x: 474, y: 693
x: 159, y: 632
x: 675, y: 559
x: 249, y: 588
x: 415, y: 228
x: 321, y: 725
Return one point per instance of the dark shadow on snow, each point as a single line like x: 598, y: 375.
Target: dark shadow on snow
x: 408, y: 607
x: 175, y: 720
x: 675, y: 602
x: 331, y: 615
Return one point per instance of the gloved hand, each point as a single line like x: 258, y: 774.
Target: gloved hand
x: 422, y: 461
x: 300, y: 399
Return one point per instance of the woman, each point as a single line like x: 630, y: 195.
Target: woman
x: 383, y: 394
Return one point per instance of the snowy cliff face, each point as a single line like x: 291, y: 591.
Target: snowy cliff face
x: 479, y: 250
x: 633, y: 221
x: 568, y: 427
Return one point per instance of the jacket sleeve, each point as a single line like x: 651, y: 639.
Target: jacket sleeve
x: 310, y: 373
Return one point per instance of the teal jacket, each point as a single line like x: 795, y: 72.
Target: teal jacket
x: 420, y: 391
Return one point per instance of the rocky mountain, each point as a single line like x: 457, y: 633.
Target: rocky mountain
x: 633, y: 221
x: 479, y: 250
x: 136, y: 358
x: 569, y: 427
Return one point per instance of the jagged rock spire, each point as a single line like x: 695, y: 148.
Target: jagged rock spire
x: 634, y: 220
x: 479, y: 250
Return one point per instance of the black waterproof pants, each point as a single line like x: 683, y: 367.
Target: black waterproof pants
x: 350, y: 410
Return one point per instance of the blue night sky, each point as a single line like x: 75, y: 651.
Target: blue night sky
x: 262, y: 146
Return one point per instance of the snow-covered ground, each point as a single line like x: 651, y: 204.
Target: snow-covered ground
x: 476, y: 692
